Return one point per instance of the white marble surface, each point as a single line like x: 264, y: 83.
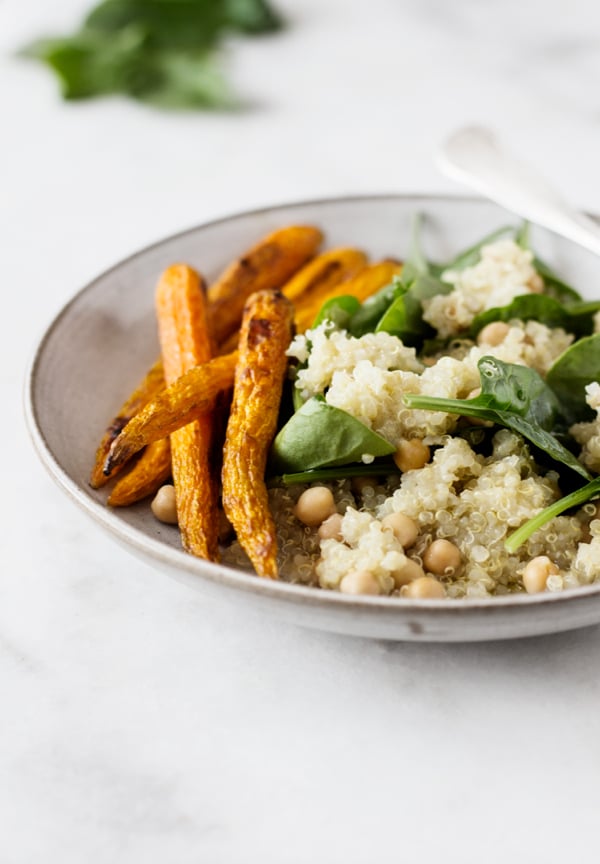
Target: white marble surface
x: 141, y: 723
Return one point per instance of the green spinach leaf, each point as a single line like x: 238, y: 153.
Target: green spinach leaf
x: 554, y: 286
x: 338, y: 310
x: 515, y: 397
x: 525, y: 307
x: 327, y: 475
x: 320, y: 435
x: 366, y: 318
x: 577, y: 318
x: 469, y: 257
x: 404, y: 317
x: 575, y: 499
x: 416, y: 263
x: 568, y: 376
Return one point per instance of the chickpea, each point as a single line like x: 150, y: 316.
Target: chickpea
x: 404, y: 528
x: 163, y: 505
x: 408, y: 573
x: 493, y: 333
x: 536, y: 573
x: 424, y: 588
x: 411, y: 454
x: 315, y: 505
x: 331, y: 528
x: 440, y: 556
x: 359, y: 582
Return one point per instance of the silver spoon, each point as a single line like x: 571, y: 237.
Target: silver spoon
x: 475, y: 157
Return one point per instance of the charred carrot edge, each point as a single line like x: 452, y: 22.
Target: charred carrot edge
x: 266, y: 266
x: 185, y: 342
x: 362, y: 286
x: 264, y: 336
x: 145, y: 478
x: 190, y: 396
x: 153, y: 382
x: 323, y: 273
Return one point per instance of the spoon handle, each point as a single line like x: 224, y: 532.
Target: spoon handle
x: 474, y: 156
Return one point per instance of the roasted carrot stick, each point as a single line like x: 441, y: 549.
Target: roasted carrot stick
x: 268, y: 265
x: 145, y: 478
x: 323, y: 273
x: 265, y: 334
x: 191, y: 395
x: 153, y: 382
x: 185, y: 342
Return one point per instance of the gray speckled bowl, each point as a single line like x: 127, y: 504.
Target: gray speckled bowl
x: 101, y: 343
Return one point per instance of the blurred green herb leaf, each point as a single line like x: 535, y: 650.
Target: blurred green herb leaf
x: 160, y: 51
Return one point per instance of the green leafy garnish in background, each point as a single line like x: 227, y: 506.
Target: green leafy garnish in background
x: 159, y: 51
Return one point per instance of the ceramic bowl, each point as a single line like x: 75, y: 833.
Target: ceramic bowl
x: 101, y: 343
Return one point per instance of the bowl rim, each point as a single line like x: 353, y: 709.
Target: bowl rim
x: 221, y: 574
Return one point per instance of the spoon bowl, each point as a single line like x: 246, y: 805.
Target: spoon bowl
x: 475, y: 157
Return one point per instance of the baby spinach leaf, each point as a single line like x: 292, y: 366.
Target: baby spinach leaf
x: 373, y: 308
x: 581, y: 316
x: 515, y: 397
x: 320, y: 435
x: 525, y: 307
x: 577, y: 318
x: 568, y: 376
x: 416, y: 264
x: 554, y: 286
x: 522, y: 235
x: 327, y: 475
x: 338, y: 310
x: 404, y: 317
x: 575, y: 499
x: 469, y: 257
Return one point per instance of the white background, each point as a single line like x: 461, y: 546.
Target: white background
x: 138, y: 721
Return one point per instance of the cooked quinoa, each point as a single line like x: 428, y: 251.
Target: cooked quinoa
x: 469, y: 498
x: 504, y: 272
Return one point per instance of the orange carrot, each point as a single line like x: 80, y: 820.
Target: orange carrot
x: 185, y: 342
